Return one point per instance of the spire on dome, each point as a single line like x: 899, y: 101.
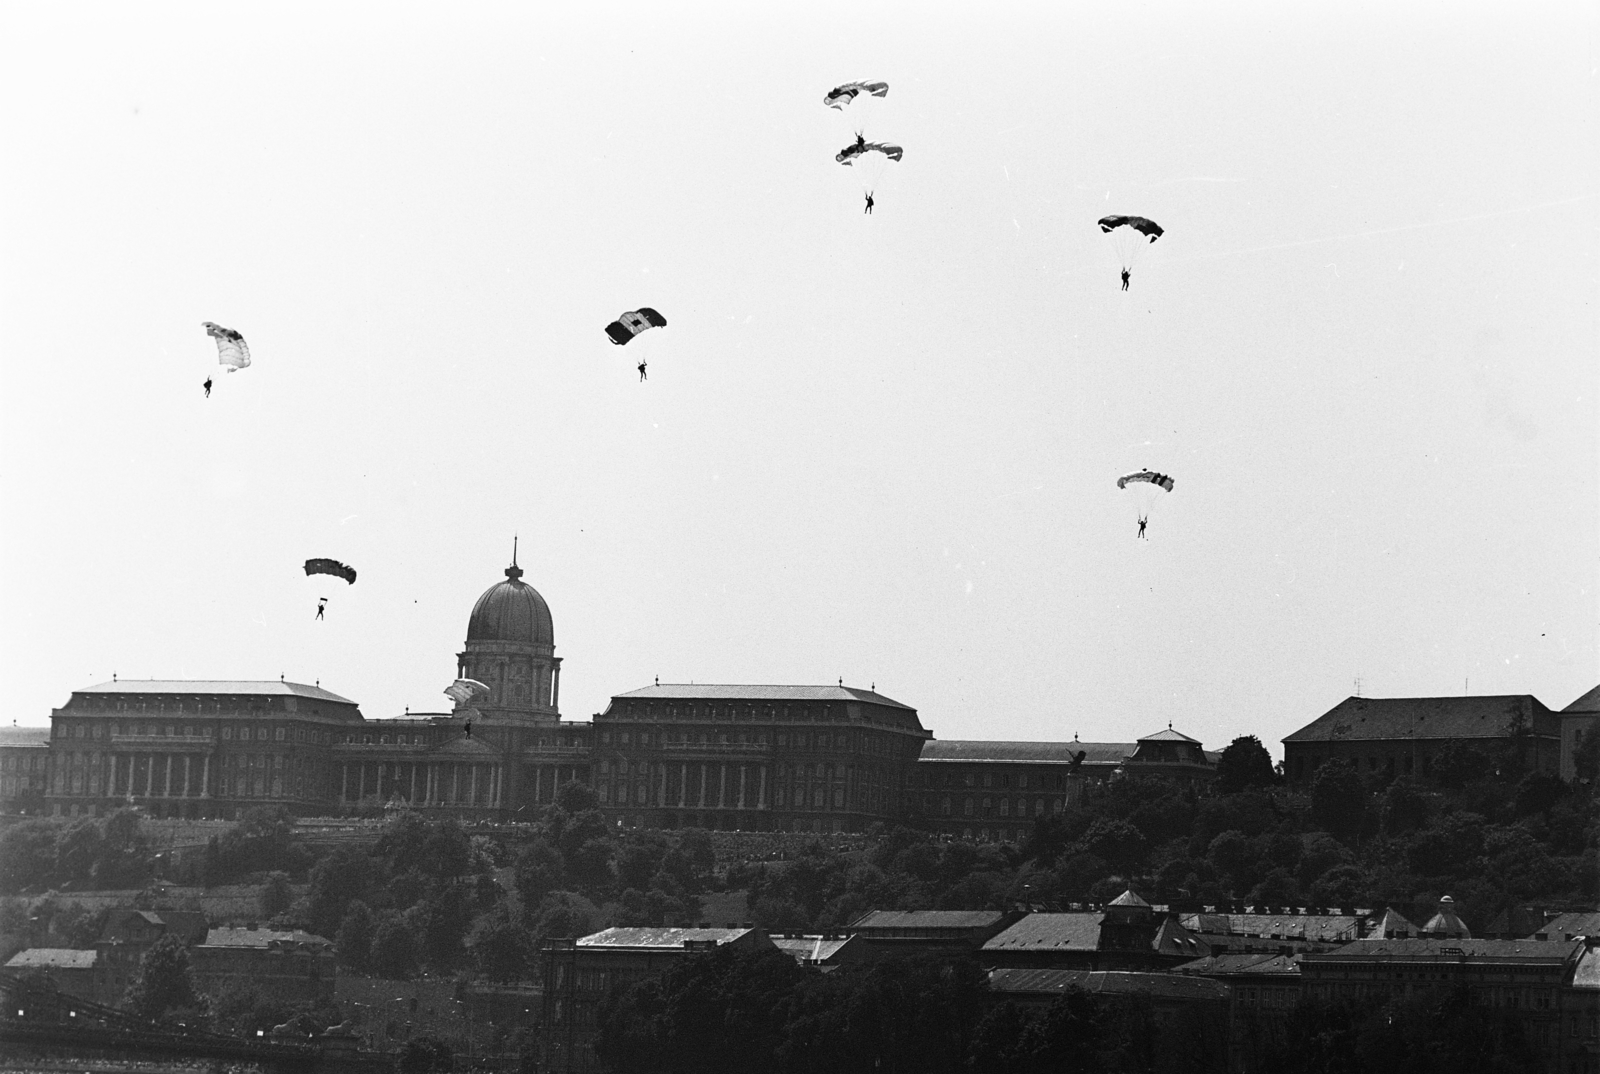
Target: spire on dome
x: 513, y: 572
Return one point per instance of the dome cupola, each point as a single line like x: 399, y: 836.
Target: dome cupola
x: 510, y: 648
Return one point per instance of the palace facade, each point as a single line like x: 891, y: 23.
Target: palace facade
x: 753, y: 758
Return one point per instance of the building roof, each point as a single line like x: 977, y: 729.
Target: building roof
x: 1563, y: 926
x: 1393, y: 925
x: 1107, y: 982
x: 1243, y: 965
x: 658, y: 938
x: 24, y: 736
x: 1129, y: 898
x: 1362, y: 719
x: 1072, y: 931
x: 52, y: 958
x: 262, y: 938
x: 1589, y: 702
x: 1095, y: 753
x: 1587, y: 974
x: 812, y: 949
x: 512, y: 611
x: 1313, y: 928
x: 924, y: 920
x: 268, y: 687
x: 1169, y: 735
x: 733, y: 692
x: 1435, y: 949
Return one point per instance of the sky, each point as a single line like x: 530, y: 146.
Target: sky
x: 878, y: 448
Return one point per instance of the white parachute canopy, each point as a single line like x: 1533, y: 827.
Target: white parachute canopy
x: 465, y: 691
x: 232, y: 350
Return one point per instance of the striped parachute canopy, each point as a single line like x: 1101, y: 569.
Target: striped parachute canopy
x: 232, y: 351
x: 1145, y: 475
x: 840, y: 96
x: 465, y: 691
x: 859, y: 150
x: 631, y: 323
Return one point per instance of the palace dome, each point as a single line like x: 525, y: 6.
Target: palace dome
x: 512, y: 611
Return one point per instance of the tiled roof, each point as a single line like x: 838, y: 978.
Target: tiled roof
x: 1115, y: 982
x: 24, y: 736
x: 1393, y: 921
x: 1129, y: 898
x: 1574, y: 924
x: 270, y: 687
x: 1361, y: 719
x: 657, y: 937
x: 1229, y: 965
x: 927, y: 919
x: 1589, y: 702
x: 1316, y: 928
x: 1169, y: 735
x: 52, y: 958
x: 1074, y: 931
x: 730, y: 692
x: 1173, y: 939
x: 1095, y: 753
x: 234, y: 937
x: 1450, y: 950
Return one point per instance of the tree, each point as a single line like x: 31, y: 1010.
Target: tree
x: 79, y: 850
x: 28, y: 855
x: 1586, y: 755
x: 344, y: 875
x: 424, y: 1055
x: 394, y: 948
x: 1244, y: 763
x: 540, y: 869
x: 164, y: 983
x: 354, y: 940
x: 1338, y: 800
x: 501, y: 948
x: 275, y: 895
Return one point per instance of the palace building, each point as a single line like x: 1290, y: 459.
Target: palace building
x: 750, y: 758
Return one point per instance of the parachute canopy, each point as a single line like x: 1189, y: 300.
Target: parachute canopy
x: 465, y: 691
x: 846, y: 94
x: 858, y: 150
x: 331, y: 566
x: 632, y: 323
x: 232, y: 351
x: 1150, y: 228
x: 1148, y: 476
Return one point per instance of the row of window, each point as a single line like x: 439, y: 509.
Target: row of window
x: 275, y: 732
x: 945, y: 806
x: 941, y: 776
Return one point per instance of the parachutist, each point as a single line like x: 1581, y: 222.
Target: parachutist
x: 642, y: 377
x: 207, y: 387
x: 322, y: 603
x: 1142, y: 523
x: 861, y: 142
x: 868, y: 209
x: 469, y: 728
x: 1126, y: 275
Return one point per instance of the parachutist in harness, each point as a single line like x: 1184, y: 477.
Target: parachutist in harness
x: 868, y: 209
x: 207, y: 387
x: 469, y: 728
x: 641, y: 371
x: 322, y: 602
x: 1142, y: 523
x: 1126, y: 275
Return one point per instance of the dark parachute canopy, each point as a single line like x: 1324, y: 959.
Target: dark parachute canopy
x: 840, y: 96
x: 1148, y: 476
x: 232, y: 350
x: 859, y: 149
x: 631, y: 323
x: 331, y: 566
x: 1108, y: 224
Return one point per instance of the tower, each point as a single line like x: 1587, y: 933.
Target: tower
x: 510, y: 648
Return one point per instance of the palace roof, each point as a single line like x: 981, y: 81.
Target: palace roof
x: 732, y: 692
x: 191, y: 687
x: 1363, y: 719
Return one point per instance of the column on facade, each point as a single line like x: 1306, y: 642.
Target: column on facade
x: 455, y: 784
x: 413, y: 797
x: 472, y: 785
x: 744, y: 771
x: 761, y: 792
x: 186, y: 773
x: 344, y: 782
x: 166, y: 790
x: 722, y: 786
x: 205, y: 777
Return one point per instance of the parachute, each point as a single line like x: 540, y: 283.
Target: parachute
x: 1145, y: 484
x: 232, y: 350
x: 869, y: 159
x: 331, y: 566
x: 859, y: 150
x: 1129, y: 235
x: 465, y: 691
x: 631, y: 323
x: 840, y: 96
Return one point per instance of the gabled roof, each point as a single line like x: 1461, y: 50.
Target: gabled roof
x: 24, y: 736
x: 1095, y: 753
x: 234, y: 937
x: 1261, y: 962
x: 269, y: 687
x: 52, y: 958
x: 1107, y: 982
x: 1129, y: 898
x: 464, y: 747
x: 661, y: 938
x: 1071, y: 931
x: 1589, y: 702
x: 730, y: 692
x: 1362, y: 719
x: 1392, y: 925
x: 927, y: 919
x: 1572, y: 924
x: 1173, y: 939
x: 811, y: 949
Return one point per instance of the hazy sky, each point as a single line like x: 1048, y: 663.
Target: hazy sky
x: 883, y: 448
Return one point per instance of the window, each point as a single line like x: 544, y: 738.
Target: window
x: 227, y: 732
x: 281, y: 734
x: 966, y: 807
